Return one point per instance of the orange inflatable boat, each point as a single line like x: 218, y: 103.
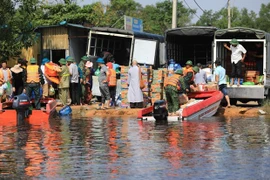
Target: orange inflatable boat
x: 51, y: 72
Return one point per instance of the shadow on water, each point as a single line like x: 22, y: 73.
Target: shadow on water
x: 125, y: 148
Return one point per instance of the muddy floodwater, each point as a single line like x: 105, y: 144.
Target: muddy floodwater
x: 125, y: 148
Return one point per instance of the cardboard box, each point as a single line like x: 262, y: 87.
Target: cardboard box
x: 211, y: 87
x: 252, y: 73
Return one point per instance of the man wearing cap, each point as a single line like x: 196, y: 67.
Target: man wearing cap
x: 34, y: 78
x: 74, y: 80
x: 237, y: 58
x: 172, y: 87
x: 45, y: 86
x: 220, y: 79
x: 64, y: 76
x: 103, y: 84
x: 189, y: 74
x: 81, y: 65
x: 188, y: 67
x: 200, y: 77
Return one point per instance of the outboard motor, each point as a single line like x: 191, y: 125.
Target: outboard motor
x: 160, y: 111
x: 21, y: 104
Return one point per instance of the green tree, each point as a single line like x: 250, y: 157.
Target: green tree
x: 219, y: 19
x: 158, y: 18
x: 263, y: 21
x: 15, y: 26
x: 115, y: 11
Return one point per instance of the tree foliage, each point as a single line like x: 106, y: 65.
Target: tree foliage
x: 158, y: 18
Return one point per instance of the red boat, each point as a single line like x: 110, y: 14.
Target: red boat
x: 8, y: 116
x: 205, y: 105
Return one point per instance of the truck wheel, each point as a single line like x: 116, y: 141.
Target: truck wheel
x: 233, y: 101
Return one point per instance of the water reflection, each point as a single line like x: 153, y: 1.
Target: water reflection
x: 99, y: 148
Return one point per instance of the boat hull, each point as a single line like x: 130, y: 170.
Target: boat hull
x: 206, y: 107
x: 203, y: 109
x: 8, y: 117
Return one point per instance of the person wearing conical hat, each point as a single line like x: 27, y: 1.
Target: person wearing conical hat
x: 34, y: 78
x: 45, y: 87
x: 237, y: 58
x: 64, y: 76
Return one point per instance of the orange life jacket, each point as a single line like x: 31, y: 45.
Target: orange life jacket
x: 50, y: 69
x: 112, y: 77
x: 2, y: 74
x: 185, y: 71
x: 173, y: 81
x: 32, y: 74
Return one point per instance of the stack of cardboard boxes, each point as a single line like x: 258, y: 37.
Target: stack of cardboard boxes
x: 157, y: 90
x: 252, y: 76
x: 146, y: 77
x: 124, y: 84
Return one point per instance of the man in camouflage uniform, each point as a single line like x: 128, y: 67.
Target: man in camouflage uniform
x: 81, y: 65
x: 172, y: 88
x: 64, y: 76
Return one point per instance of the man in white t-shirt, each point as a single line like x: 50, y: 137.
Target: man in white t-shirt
x: 237, y: 57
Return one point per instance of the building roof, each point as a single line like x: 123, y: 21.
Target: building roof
x: 66, y: 24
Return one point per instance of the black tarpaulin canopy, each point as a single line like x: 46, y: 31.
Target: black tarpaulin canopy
x: 192, y: 31
x: 241, y: 32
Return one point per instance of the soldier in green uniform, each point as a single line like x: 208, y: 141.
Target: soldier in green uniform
x: 64, y: 81
x: 172, y: 88
x: 81, y: 65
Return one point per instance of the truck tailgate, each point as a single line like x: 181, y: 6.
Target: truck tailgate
x: 246, y: 92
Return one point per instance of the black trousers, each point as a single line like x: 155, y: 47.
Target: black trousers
x: 75, y: 95
x: 30, y: 87
x: 112, y: 90
x: 18, y: 90
x: 237, y: 70
x: 136, y: 105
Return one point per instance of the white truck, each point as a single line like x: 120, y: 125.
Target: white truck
x: 202, y: 44
x: 125, y: 46
x: 248, y: 38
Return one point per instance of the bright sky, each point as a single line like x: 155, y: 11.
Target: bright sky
x: 215, y: 5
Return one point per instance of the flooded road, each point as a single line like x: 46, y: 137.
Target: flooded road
x: 121, y: 148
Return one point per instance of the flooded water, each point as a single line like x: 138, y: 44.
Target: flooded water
x: 116, y: 148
